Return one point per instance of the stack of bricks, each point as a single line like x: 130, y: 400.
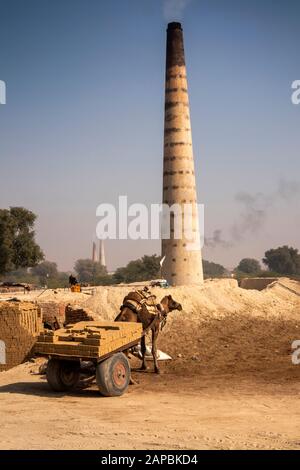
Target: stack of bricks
x: 20, y: 324
x: 75, y: 314
x: 88, y: 339
x: 53, y: 310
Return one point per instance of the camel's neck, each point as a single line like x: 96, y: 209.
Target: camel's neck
x: 164, y: 308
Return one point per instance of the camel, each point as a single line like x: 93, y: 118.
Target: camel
x: 151, y: 315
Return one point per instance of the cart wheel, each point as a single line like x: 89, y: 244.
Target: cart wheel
x: 113, y: 375
x: 62, y: 375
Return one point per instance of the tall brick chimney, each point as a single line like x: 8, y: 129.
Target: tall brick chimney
x: 182, y: 266
x: 102, y: 253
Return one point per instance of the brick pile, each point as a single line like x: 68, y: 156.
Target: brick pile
x: 75, y: 314
x: 88, y: 339
x: 20, y: 324
x: 51, y: 309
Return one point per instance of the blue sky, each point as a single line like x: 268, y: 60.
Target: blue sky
x: 83, y: 121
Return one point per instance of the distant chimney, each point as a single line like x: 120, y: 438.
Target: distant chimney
x: 94, y: 252
x: 181, y: 266
x: 102, y: 253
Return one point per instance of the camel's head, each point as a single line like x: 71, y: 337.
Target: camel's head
x: 169, y: 304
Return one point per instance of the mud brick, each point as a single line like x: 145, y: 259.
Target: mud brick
x: 88, y: 353
x: 75, y: 314
x: 52, y: 310
x: 41, y: 338
x: 67, y: 337
x: 20, y: 325
x: 89, y: 339
x: 52, y: 339
x: 48, y: 333
x: 92, y: 341
x: 104, y: 350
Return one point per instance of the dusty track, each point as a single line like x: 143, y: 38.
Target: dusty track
x: 162, y: 412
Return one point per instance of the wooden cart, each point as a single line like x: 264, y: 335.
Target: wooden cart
x: 95, y: 349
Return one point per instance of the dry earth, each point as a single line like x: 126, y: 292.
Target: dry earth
x: 231, y: 384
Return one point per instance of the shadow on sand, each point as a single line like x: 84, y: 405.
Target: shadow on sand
x: 42, y: 389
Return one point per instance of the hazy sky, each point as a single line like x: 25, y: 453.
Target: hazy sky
x: 83, y: 121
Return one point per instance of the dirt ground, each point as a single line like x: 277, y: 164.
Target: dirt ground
x: 231, y: 383
x: 161, y: 412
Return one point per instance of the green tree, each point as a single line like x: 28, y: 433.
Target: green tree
x: 18, y: 248
x: 45, y: 271
x: 6, y: 242
x: 105, y: 280
x: 22, y: 275
x: 249, y: 266
x: 89, y: 271
x: 26, y: 276
x: 61, y: 280
x: 143, y: 269
x: 213, y: 269
x: 283, y: 260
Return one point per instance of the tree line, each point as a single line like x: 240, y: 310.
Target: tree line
x: 22, y: 260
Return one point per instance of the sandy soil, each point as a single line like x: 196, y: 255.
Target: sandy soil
x: 231, y: 383
x: 161, y: 412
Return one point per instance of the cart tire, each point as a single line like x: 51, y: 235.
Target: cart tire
x: 113, y: 375
x: 62, y: 375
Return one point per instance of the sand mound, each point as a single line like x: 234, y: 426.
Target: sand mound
x: 230, y: 330
x: 222, y: 327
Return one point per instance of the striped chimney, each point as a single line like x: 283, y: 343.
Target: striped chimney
x: 182, y: 266
x: 102, y: 253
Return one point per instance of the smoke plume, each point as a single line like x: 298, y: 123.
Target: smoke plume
x: 288, y: 190
x: 173, y: 9
x: 217, y: 240
x: 255, y: 209
x: 253, y: 215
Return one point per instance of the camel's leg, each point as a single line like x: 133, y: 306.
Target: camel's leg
x: 131, y: 381
x: 154, y: 350
x: 143, y: 351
